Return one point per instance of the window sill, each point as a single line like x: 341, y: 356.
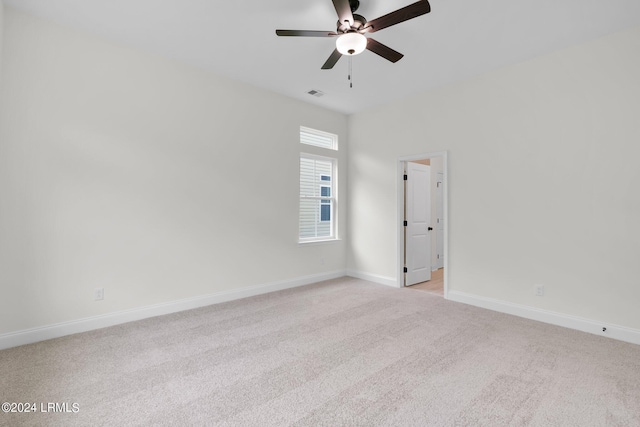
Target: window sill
x: 318, y: 242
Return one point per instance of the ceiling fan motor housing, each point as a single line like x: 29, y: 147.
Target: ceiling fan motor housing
x: 359, y: 22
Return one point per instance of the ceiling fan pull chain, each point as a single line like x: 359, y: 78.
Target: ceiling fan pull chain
x: 350, y: 72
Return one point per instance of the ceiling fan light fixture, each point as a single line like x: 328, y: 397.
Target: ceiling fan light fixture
x: 351, y: 43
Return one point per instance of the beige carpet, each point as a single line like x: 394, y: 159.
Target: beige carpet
x: 343, y: 352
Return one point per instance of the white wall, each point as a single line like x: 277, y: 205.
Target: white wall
x: 543, y: 180
x: 1, y: 33
x: 126, y: 171
x: 149, y: 178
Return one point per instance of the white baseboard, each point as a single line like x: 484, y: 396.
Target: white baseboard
x: 375, y: 278
x: 621, y: 333
x: 28, y: 336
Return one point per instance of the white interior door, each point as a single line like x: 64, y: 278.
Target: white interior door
x: 417, y: 230
x: 440, y: 220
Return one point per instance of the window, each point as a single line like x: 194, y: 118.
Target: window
x: 317, y: 188
x: 318, y: 138
x: 317, y: 198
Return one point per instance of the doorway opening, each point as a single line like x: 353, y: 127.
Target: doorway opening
x: 422, y: 231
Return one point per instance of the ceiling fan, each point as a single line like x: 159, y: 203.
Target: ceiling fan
x: 353, y: 27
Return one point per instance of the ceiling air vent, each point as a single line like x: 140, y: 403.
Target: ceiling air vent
x: 316, y: 93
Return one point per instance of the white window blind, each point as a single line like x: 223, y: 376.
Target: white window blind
x: 318, y: 138
x: 317, y: 198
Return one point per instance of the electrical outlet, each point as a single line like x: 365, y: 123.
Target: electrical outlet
x: 98, y: 294
x: 539, y: 290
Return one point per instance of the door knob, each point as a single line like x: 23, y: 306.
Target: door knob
x: 430, y: 228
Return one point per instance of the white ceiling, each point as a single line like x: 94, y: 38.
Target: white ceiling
x: 457, y: 40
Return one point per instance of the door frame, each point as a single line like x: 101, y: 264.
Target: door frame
x: 400, y: 214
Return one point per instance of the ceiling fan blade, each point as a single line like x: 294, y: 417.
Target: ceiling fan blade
x: 408, y: 12
x: 306, y: 33
x: 383, y: 50
x: 344, y: 11
x: 332, y: 60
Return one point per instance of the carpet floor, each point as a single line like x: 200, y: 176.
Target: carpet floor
x: 345, y: 352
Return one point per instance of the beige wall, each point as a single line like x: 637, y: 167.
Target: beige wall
x: 151, y: 179
x: 543, y: 180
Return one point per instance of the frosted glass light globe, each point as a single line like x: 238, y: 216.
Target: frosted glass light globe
x: 351, y: 43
